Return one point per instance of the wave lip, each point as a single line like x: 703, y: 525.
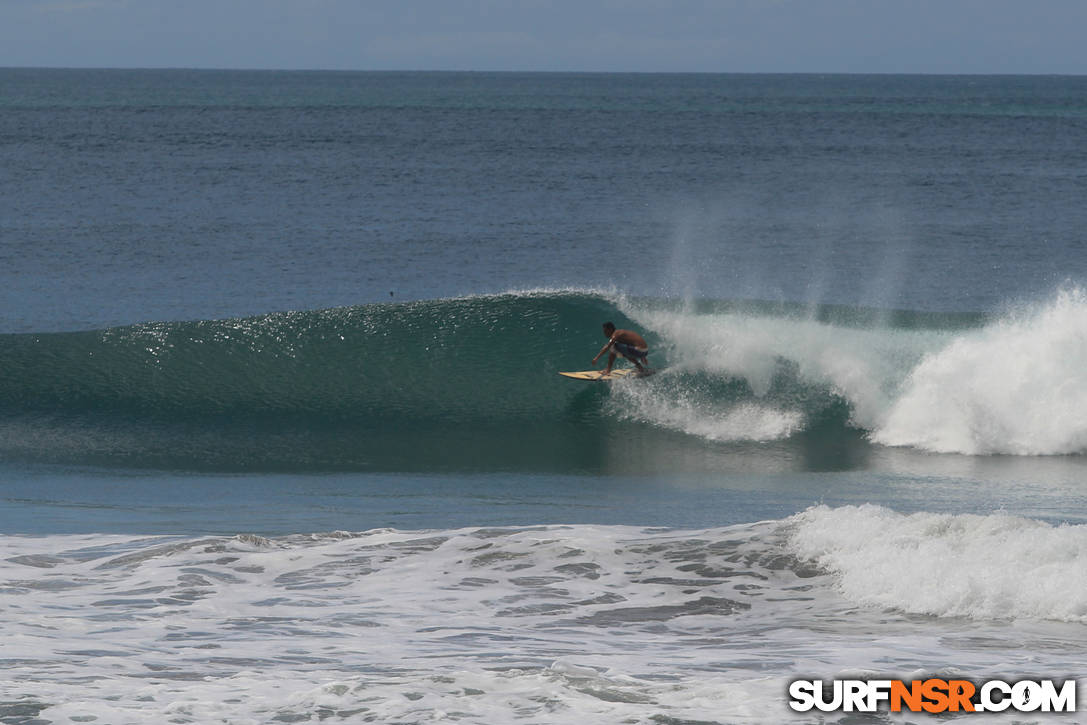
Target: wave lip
x: 996, y: 566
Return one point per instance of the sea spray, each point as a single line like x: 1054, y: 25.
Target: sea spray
x: 751, y: 374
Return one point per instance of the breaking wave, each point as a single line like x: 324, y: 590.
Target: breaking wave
x: 472, y: 382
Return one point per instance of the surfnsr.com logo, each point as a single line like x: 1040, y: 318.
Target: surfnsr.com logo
x: 933, y: 695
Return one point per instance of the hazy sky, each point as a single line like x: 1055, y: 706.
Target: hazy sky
x: 875, y: 36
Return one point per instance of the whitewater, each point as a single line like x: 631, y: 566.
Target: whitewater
x: 550, y: 624
x: 1011, y: 385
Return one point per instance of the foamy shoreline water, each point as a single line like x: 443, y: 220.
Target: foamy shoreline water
x: 545, y: 623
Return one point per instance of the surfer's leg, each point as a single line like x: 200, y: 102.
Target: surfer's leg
x: 636, y: 357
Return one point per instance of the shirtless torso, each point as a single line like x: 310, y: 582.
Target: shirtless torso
x: 627, y: 343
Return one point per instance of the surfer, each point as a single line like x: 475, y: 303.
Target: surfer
x: 629, y: 344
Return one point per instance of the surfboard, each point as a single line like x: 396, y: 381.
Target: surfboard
x: 599, y: 374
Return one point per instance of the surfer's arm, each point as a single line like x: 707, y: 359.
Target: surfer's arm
x: 602, y: 351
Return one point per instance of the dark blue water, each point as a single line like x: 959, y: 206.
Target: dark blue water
x: 132, y: 196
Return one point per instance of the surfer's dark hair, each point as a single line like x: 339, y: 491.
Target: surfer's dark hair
x: 609, y: 325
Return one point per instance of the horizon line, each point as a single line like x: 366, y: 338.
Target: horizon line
x: 254, y: 69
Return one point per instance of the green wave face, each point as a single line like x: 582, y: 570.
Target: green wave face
x: 478, y: 358
x: 416, y: 385
x: 468, y: 383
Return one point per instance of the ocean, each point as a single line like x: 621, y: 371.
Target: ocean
x: 282, y: 437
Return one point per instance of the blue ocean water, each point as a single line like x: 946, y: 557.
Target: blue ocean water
x: 278, y: 358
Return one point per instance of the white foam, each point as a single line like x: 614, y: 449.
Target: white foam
x: 982, y: 567
x: 862, y: 366
x: 677, y: 409
x: 1019, y: 386
x: 556, y: 624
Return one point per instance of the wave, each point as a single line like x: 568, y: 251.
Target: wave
x: 446, y: 360
x: 380, y: 386
x: 473, y: 380
x: 997, y: 566
x: 1013, y: 384
x: 1017, y: 386
x: 558, y: 624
